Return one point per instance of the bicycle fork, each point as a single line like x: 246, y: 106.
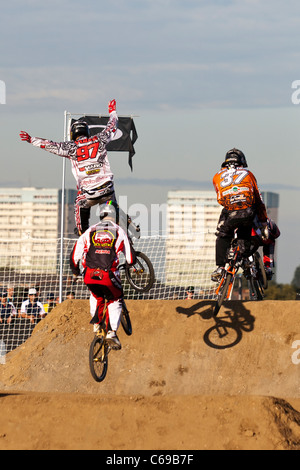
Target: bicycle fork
x: 105, y: 348
x: 232, y: 271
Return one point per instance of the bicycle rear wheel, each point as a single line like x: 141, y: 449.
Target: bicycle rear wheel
x: 256, y: 289
x: 222, y: 293
x: 98, y: 359
x: 141, y: 274
x: 261, y: 269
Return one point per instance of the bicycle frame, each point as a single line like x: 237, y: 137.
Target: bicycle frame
x: 232, y: 270
x: 230, y: 287
x: 237, y: 260
x: 100, y: 347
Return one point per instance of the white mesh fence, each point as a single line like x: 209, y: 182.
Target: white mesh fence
x: 178, y: 261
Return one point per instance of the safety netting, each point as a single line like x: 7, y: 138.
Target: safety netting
x: 182, y: 266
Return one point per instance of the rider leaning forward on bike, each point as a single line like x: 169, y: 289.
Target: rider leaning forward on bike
x: 238, y: 193
x: 90, y: 165
x: 98, y: 250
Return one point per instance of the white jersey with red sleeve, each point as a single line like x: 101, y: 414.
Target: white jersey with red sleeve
x: 100, y: 247
x: 88, y: 156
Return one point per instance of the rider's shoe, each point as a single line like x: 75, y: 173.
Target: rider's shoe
x: 269, y: 273
x: 113, y: 340
x: 216, y: 276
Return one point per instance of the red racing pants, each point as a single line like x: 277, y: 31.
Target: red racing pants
x: 105, y: 287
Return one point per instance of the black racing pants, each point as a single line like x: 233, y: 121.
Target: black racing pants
x: 83, y: 203
x: 229, y: 221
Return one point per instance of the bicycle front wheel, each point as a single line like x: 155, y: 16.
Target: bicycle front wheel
x: 98, y: 359
x: 141, y: 274
x: 125, y: 320
x: 223, y: 293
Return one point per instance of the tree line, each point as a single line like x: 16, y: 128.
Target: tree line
x: 285, y: 291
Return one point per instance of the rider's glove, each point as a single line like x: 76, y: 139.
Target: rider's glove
x: 25, y: 137
x: 75, y: 278
x: 264, y: 231
x: 112, y: 106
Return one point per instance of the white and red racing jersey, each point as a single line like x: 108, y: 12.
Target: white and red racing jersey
x: 100, y: 247
x: 90, y: 165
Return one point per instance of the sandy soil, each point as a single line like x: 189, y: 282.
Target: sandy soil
x: 180, y: 382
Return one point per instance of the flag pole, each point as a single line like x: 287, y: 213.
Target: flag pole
x: 62, y: 219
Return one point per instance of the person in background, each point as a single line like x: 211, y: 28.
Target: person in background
x: 70, y: 295
x: 190, y: 292
x: 50, y: 303
x: 7, y: 309
x: 268, y: 245
x: 32, y: 308
x: 10, y: 293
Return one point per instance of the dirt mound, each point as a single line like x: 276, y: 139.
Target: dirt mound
x: 185, y: 380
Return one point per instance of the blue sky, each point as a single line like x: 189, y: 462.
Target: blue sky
x: 201, y: 77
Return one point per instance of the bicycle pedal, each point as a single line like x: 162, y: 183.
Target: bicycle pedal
x: 113, y: 346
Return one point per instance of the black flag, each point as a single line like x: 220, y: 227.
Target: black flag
x: 123, y: 140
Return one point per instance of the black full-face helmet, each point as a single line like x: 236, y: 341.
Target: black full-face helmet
x: 235, y: 157
x: 79, y: 129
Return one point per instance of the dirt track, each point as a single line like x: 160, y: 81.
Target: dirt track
x: 176, y: 384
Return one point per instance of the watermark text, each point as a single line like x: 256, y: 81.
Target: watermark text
x: 296, y: 354
x: 296, y: 93
x: 2, y: 352
x: 160, y: 219
x: 2, y: 92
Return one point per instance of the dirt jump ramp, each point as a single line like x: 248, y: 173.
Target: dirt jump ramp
x: 194, y: 382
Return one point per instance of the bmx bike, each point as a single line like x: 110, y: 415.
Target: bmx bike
x: 101, y: 347
x: 140, y: 275
x: 253, y: 270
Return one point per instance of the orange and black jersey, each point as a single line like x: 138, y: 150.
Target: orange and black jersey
x: 237, y: 190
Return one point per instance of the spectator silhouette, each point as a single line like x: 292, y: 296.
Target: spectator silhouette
x: 31, y: 308
x: 7, y: 309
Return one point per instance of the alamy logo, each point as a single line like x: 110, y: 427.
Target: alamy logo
x: 2, y: 92
x: 2, y: 352
x: 296, y: 354
x: 296, y: 94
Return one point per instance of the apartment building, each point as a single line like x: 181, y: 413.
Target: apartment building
x: 30, y: 223
x: 192, y: 218
x: 271, y: 201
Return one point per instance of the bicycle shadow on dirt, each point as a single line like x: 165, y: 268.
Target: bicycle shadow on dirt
x: 231, y: 322
x: 204, y: 308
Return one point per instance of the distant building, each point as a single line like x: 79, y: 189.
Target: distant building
x: 31, y: 214
x: 192, y: 218
x: 271, y: 201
